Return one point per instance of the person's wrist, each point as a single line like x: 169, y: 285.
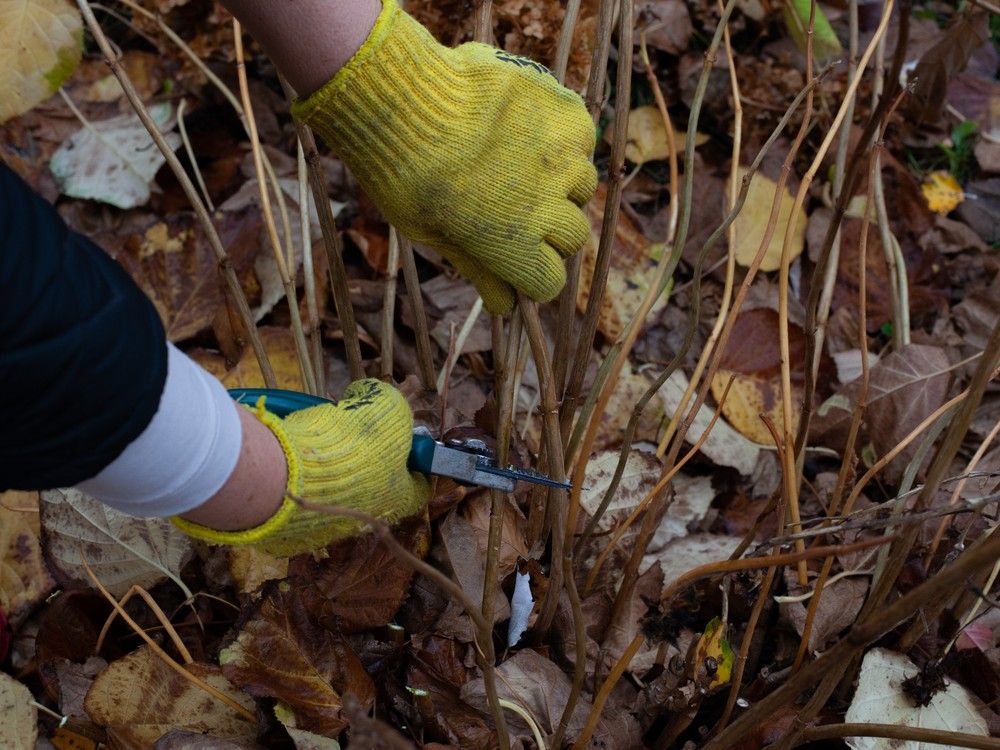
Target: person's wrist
x: 255, y: 490
x: 311, y: 41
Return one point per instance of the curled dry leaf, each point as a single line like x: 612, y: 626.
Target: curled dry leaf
x: 19, y: 725
x: 42, y: 45
x: 879, y: 699
x: 24, y: 579
x: 115, y: 160
x: 749, y: 226
x: 167, y: 701
x: 122, y: 550
x: 283, y: 653
x: 839, y: 604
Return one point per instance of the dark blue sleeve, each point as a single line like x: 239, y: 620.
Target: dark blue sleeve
x: 83, y: 355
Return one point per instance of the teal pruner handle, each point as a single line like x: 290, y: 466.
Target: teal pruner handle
x: 282, y: 403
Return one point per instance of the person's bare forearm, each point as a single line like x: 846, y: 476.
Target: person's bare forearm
x: 308, y: 40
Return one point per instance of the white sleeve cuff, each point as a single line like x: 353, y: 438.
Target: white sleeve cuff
x: 185, y: 454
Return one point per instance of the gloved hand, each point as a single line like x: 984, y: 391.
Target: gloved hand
x: 351, y: 454
x: 475, y: 152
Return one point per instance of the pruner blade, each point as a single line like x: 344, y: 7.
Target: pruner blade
x: 469, y: 462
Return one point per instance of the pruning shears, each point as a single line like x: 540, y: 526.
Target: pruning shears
x: 469, y: 461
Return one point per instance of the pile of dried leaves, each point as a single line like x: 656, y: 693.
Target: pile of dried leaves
x: 880, y: 443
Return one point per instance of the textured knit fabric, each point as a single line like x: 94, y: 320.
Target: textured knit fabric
x: 475, y: 152
x: 83, y: 355
x: 351, y: 454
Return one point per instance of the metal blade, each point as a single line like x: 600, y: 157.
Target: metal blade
x: 522, y: 475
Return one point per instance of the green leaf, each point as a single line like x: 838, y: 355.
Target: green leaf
x: 42, y: 45
x: 825, y: 42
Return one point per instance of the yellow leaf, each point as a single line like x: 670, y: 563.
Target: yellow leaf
x: 24, y: 577
x: 748, y: 228
x: 42, y: 44
x: 646, y: 138
x: 749, y: 397
x: 713, y: 658
x: 139, y: 698
x: 280, y: 347
x: 942, y: 192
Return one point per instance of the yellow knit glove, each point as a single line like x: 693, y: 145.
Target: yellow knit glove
x: 351, y: 454
x: 475, y: 152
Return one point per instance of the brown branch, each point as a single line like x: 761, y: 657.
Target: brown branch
x: 897, y: 732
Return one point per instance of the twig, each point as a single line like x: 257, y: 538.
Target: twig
x: 308, y: 273
x: 702, y: 571
x: 503, y: 380
x: 957, y: 492
x: 692, y: 325
x: 652, y: 519
x: 159, y: 613
x: 301, y: 350
x: 561, y: 530
x: 898, y: 732
x: 232, y: 283
x: 528, y: 719
x: 605, y: 692
x: 594, y: 100
x: 602, y: 263
x: 736, y: 678
x: 420, y: 328
x: 788, y: 469
x: 730, y: 259
x: 389, y: 304
x: 455, y: 351
x: 163, y: 655
x: 847, y: 464
x: 331, y: 241
x: 190, y: 154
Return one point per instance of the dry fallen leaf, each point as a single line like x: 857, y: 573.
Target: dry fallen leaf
x: 724, y: 445
x: 19, y: 725
x: 904, y: 388
x: 753, y: 359
x: 646, y: 139
x: 24, y: 579
x: 167, y: 701
x: 42, y: 45
x: 942, y: 192
x: 122, y: 550
x: 282, y: 653
x: 360, y: 584
x: 175, y: 266
x: 749, y: 226
x: 879, y: 699
x: 115, y: 160
x: 280, y: 347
